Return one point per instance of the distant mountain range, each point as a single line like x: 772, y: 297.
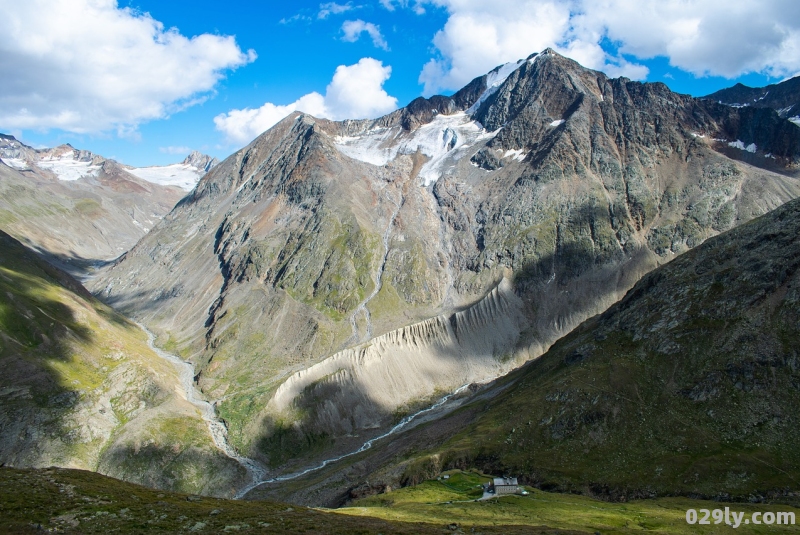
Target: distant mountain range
x: 80, y: 208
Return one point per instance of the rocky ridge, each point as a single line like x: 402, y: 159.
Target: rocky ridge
x: 572, y: 183
x: 783, y: 97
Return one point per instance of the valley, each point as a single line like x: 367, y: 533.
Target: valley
x: 585, y: 282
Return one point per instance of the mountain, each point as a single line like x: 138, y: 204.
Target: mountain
x: 201, y: 162
x: 74, y: 206
x: 690, y: 385
x: 80, y: 388
x: 783, y: 97
x: 332, y: 277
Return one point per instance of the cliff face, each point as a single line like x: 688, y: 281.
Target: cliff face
x: 365, y: 386
x: 320, y: 236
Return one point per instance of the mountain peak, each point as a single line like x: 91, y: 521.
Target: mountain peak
x: 201, y: 161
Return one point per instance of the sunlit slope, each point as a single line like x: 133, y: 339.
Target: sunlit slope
x: 689, y: 385
x: 73, y: 501
x: 450, y: 500
x: 80, y: 387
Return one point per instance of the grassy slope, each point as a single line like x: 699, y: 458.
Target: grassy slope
x: 690, y: 385
x: 73, y: 501
x: 80, y: 388
x: 450, y: 501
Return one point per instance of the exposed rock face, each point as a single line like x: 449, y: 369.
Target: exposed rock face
x: 74, y: 206
x: 80, y: 388
x: 784, y: 97
x: 319, y: 236
x: 362, y: 386
x: 689, y: 385
x: 200, y: 161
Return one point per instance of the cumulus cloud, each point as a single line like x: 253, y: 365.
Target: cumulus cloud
x: 703, y: 37
x: 89, y: 66
x: 355, y: 92
x: 332, y: 8
x: 352, y: 30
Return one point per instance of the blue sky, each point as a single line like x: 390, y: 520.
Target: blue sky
x: 143, y: 81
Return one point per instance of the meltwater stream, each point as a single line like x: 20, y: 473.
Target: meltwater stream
x: 367, y: 445
x: 219, y: 433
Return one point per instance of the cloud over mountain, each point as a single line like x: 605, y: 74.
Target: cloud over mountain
x: 708, y: 37
x: 355, y: 92
x: 90, y: 66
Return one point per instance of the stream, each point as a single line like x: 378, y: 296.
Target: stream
x: 367, y: 445
x: 217, y: 428
x: 362, y: 307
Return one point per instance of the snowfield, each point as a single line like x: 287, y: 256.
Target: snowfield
x: 181, y: 175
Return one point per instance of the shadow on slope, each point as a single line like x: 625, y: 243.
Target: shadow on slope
x: 689, y: 385
x: 39, y: 334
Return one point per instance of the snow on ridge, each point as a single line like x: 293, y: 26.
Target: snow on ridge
x: 795, y: 119
x: 494, y: 80
x: 738, y: 144
x: 443, y: 140
x: 181, y: 175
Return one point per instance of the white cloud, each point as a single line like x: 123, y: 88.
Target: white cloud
x: 174, y: 150
x: 332, y: 8
x: 703, y: 37
x: 417, y: 6
x: 88, y: 66
x: 355, y: 92
x: 352, y: 30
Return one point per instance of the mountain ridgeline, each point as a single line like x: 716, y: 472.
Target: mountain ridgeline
x: 531, y: 200
x: 783, y: 97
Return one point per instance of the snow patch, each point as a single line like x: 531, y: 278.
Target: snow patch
x: 16, y: 163
x: 494, y: 80
x: 181, y: 175
x: 67, y: 168
x: 557, y: 122
x: 443, y: 140
x: 738, y: 144
x: 795, y: 119
x: 517, y: 154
